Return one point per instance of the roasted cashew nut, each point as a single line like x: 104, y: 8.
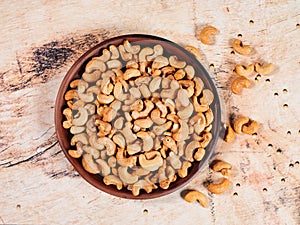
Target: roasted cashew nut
x: 192, y: 196
x: 207, y: 35
x: 113, y: 180
x: 245, y: 71
x: 183, y: 171
x: 195, y: 51
x: 220, y: 187
x: 264, y: 69
x: 222, y: 167
x: 240, y: 48
x: 126, y: 177
x: 239, y: 123
x: 239, y: 83
x: 151, y: 164
x: 229, y: 135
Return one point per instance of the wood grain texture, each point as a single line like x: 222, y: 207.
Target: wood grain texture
x: 41, y: 39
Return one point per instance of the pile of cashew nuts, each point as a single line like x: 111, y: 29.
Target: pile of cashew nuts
x: 138, y: 117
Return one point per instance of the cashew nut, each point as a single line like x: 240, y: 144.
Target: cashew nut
x: 155, y: 84
x: 159, y: 130
x: 207, y: 35
x: 95, y: 64
x: 125, y: 161
x: 220, y: 187
x: 109, y: 145
x: 156, y: 117
x: 190, y: 148
x: 183, y: 132
x: 126, y: 56
x: 186, y: 112
x: 239, y: 123
x: 128, y: 135
x: 195, y: 51
x: 229, y: 136
x: 76, y: 130
x: 240, y: 48
x: 114, y: 64
x: 209, y: 117
x: 130, y: 73
x: 142, y: 184
x: 105, y: 99
x: 199, y: 154
x: 78, y: 152
x: 145, y: 91
x: 239, y: 83
x: 170, y: 143
x: 183, y: 171
x: 95, y: 142
x: 147, y: 138
x: 179, y: 74
x: 104, y: 167
x: 144, y: 123
x: 192, y: 196
x: 133, y: 49
x: 176, y: 63
x: 182, y: 96
x: 114, y: 52
x: 148, y: 107
x: 190, y: 72
x: 251, y: 128
x: 159, y: 62
x: 133, y: 149
x: 151, y: 164
x: 113, y: 180
x: 82, y: 138
x: 89, y: 165
x: 104, y: 128
x: 264, y: 69
x: 174, y: 161
x: 158, y: 50
x: 71, y: 94
x: 145, y: 52
x: 221, y: 166
x: 119, y: 140
x: 207, y: 98
x: 126, y: 177
x: 244, y: 70
x: 105, y: 56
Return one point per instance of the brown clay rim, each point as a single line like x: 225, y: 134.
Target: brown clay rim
x: 77, y: 68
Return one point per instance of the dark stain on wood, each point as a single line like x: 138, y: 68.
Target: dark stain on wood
x: 39, y: 64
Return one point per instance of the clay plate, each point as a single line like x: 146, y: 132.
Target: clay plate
x: 77, y: 68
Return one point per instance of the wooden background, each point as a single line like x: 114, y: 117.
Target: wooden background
x: 40, y: 40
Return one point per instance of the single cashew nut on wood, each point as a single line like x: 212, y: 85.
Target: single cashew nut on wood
x: 251, y: 128
x: 192, y: 196
x: 229, y: 135
x: 239, y: 123
x: 239, y: 83
x: 240, y: 48
x: 223, y: 167
x: 245, y: 71
x: 219, y: 188
x: 264, y: 69
x: 207, y: 35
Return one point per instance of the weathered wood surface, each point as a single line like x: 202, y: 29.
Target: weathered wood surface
x: 41, y: 39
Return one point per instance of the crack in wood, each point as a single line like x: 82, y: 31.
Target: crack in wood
x: 31, y: 157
